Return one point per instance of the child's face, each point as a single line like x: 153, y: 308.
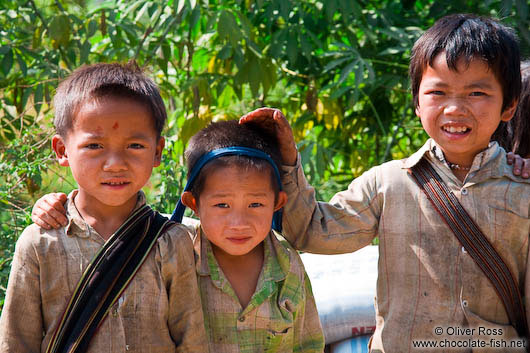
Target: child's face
x: 111, y: 149
x: 461, y: 109
x: 236, y: 207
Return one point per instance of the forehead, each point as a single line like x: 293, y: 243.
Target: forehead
x: 475, y: 72
x: 112, y: 114
x: 237, y: 177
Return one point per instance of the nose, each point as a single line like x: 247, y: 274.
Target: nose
x: 455, y: 106
x: 238, y: 220
x: 115, y: 162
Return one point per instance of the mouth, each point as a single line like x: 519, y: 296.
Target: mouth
x: 115, y: 184
x: 455, y: 129
x: 239, y: 240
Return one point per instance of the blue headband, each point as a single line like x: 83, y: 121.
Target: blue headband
x: 229, y: 151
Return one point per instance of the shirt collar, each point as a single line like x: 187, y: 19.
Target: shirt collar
x: 77, y: 227
x: 276, y: 260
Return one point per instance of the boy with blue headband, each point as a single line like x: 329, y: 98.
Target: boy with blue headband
x: 255, y: 293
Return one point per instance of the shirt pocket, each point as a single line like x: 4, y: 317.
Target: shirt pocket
x: 280, y: 334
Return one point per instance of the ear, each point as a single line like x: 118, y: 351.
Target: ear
x: 158, y: 152
x: 189, y: 200
x: 281, y: 200
x: 417, y: 111
x: 59, y: 147
x: 508, y: 112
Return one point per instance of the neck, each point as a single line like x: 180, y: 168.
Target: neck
x: 103, y: 218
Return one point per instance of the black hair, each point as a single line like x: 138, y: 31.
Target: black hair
x: 228, y: 134
x: 105, y: 80
x: 470, y: 37
x: 514, y: 135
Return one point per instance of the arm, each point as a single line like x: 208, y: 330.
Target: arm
x: 308, y: 334
x: 185, y: 317
x: 347, y: 223
x: 21, y: 326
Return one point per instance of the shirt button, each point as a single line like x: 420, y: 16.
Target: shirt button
x: 127, y: 347
x: 464, y: 191
x: 115, y: 312
x: 464, y: 303
x: 242, y: 318
x: 464, y: 250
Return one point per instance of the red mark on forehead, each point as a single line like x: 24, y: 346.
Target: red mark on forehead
x: 115, y: 126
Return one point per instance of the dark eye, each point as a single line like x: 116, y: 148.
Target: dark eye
x: 477, y: 94
x: 136, y: 146
x: 436, y: 93
x: 221, y: 205
x: 93, y: 146
x: 255, y: 204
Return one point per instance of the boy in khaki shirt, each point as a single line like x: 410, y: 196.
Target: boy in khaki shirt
x: 465, y: 80
x: 108, y: 118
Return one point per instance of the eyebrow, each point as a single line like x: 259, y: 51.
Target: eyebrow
x: 483, y: 84
x: 255, y: 194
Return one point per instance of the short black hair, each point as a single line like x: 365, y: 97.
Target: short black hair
x: 230, y: 133
x: 514, y: 135
x: 103, y: 80
x: 469, y: 37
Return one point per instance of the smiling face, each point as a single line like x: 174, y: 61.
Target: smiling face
x: 235, y: 207
x: 461, y: 109
x: 111, y: 149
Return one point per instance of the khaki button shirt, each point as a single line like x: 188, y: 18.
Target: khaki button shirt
x: 281, y: 316
x: 159, y: 311
x: 426, y: 281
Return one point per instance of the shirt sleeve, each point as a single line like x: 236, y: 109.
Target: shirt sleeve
x: 309, y: 336
x: 21, y: 325
x: 345, y: 224
x: 186, y: 322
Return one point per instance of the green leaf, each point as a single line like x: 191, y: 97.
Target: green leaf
x: 195, y: 16
x: 84, y: 52
x: 228, y: 29
x: 346, y: 72
x: 38, y: 95
x: 22, y: 65
x: 7, y: 62
x: 59, y: 29
x: 225, y: 53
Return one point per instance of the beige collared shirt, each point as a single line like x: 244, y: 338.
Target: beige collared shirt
x: 160, y: 311
x: 426, y: 280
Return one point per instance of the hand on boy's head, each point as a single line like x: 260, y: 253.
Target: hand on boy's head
x: 274, y: 121
x: 521, y: 166
x: 48, y: 212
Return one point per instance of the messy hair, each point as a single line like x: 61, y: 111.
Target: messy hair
x: 228, y: 134
x: 104, y: 80
x: 469, y: 37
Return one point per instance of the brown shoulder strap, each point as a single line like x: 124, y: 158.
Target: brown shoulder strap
x: 474, y: 241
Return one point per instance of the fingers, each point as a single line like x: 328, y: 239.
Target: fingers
x: 526, y: 168
x: 48, y: 212
x: 510, y: 156
x: 517, y: 163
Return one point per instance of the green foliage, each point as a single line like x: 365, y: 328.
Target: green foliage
x: 337, y: 68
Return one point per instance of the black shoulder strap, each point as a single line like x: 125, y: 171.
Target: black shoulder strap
x: 105, y: 279
x: 474, y: 241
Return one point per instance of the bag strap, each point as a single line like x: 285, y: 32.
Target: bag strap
x: 105, y: 279
x: 474, y: 241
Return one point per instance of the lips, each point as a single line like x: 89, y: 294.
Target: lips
x: 457, y: 129
x: 239, y: 240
